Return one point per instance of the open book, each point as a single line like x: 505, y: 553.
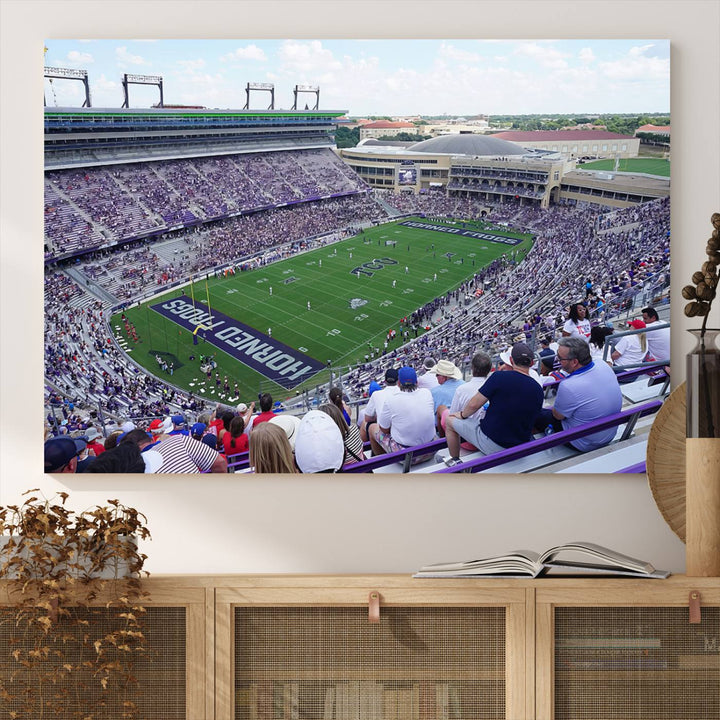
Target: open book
x: 575, y: 558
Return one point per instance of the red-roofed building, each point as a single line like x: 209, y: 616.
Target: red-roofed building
x: 385, y: 128
x: 657, y: 129
x: 575, y: 143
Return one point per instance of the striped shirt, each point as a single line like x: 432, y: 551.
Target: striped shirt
x: 353, y: 444
x: 183, y: 454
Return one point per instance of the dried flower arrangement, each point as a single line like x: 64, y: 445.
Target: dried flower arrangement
x: 70, y: 610
x: 703, y: 364
x: 703, y: 292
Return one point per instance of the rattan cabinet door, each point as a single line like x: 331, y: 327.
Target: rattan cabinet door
x: 326, y: 661
x: 629, y: 653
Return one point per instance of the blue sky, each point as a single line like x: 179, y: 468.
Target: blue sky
x: 376, y: 77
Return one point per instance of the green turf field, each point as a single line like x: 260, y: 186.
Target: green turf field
x: 332, y: 329
x: 649, y: 166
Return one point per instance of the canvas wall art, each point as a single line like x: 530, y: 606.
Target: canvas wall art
x: 353, y: 256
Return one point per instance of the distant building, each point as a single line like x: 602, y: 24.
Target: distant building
x: 386, y: 128
x: 575, y: 143
x: 585, y: 126
x: 494, y: 170
x: 656, y: 129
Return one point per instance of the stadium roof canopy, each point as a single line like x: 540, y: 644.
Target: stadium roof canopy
x: 468, y: 144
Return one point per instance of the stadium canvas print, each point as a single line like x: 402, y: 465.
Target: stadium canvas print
x: 355, y: 256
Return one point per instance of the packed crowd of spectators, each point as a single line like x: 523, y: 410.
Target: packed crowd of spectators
x: 578, y: 254
x: 103, y: 206
x: 530, y: 299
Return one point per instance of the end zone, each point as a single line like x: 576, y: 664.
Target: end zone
x: 274, y: 360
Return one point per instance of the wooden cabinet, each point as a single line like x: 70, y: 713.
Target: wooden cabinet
x: 627, y: 650
x: 172, y: 674
x: 285, y: 646
x: 294, y: 647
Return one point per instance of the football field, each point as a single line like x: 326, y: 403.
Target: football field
x: 276, y: 328
x: 651, y: 166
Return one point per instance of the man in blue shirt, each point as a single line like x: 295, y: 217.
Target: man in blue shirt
x: 449, y: 380
x: 590, y: 392
x: 515, y: 402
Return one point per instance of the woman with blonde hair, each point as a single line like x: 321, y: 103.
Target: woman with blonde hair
x: 270, y: 450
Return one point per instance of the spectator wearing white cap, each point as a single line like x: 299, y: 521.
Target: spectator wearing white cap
x: 319, y: 446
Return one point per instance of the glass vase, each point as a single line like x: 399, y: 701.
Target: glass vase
x: 703, y: 385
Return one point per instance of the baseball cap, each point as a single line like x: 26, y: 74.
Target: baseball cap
x: 242, y: 408
x: 637, y: 324
x: 391, y: 375
x: 374, y: 385
x: 158, y: 426
x: 318, y: 444
x: 60, y: 451
x: 210, y: 440
x: 289, y: 425
x: 520, y: 353
x: 127, y: 426
x: 198, y: 428
x: 446, y: 369
x: 407, y: 376
x: 177, y: 419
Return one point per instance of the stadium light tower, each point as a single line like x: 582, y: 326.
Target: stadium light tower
x: 268, y: 87
x: 315, y: 89
x: 141, y: 80
x: 68, y: 74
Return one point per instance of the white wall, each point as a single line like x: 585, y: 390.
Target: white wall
x: 344, y: 524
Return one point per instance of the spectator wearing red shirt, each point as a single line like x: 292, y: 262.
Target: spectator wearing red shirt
x: 266, y: 413
x: 93, y: 443
x: 235, y: 440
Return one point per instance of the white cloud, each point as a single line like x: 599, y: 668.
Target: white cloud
x: 125, y: 58
x: 192, y: 66
x: 306, y: 57
x: 586, y: 55
x: 545, y: 55
x: 251, y: 52
x: 641, y: 50
x: 452, y: 53
x: 78, y: 59
x: 637, y: 67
